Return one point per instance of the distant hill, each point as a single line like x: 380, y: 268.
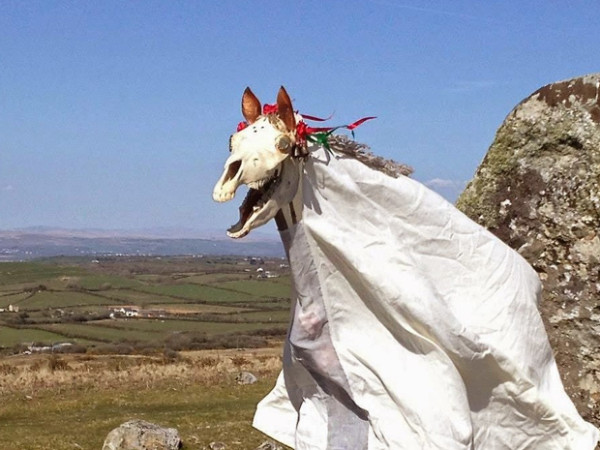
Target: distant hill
x: 32, y: 243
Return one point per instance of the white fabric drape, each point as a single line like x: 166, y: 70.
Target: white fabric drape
x: 413, y: 324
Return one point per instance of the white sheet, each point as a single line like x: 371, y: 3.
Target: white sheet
x: 414, y: 328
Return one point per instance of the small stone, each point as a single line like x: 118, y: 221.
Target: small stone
x: 246, y: 378
x: 217, y: 446
x: 142, y: 435
x: 269, y: 445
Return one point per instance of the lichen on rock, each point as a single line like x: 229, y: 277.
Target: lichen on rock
x: 538, y: 189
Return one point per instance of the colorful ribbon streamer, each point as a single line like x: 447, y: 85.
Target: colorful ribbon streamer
x: 304, y: 133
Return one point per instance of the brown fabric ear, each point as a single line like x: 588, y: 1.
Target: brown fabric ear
x: 250, y: 106
x: 285, y: 109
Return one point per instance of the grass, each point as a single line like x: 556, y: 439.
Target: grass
x: 69, y: 420
x: 260, y: 288
x: 151, y: 330
x: 198, y: 292
x: 211, y: 278
x: 13, y: 299
x: 166, y: 327
x: 95, y: 332
x: 280, y: 316
x: 77, y: 407
x: 14, y: 273
x: 61, y: 299
x: 101, y: 281
x: 12, y: 336
x: 281, y: 304
x: 196, y: 308
x: 73, y: 402
x: 131, y: 296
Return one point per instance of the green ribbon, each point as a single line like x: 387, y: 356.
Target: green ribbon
x: 321, y: 138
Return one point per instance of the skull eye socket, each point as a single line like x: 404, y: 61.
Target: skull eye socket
x: 283, y: 144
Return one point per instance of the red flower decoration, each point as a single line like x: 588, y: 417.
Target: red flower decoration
x: 270, y: 109
x: 241, y: 126
x: 301, y: 132
x: 301, y: 129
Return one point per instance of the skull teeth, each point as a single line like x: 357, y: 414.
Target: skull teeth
x: 259, y: 184
x: 256, y: 199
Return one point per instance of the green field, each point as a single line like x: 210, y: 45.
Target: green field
x: 198, y: 292
x: 127, y: 296
x: 15, y: 273
x: 149, y: 330
x: 96, y: 332
x: 97, y: 282
x: 13, y: 298
x: 260, y: 288
x: 215, y: 278
x: 60, y: 299
x: 279, y: 316
x: 215, y: 305
x: 199, y: 308
x: 57, y: 301
x: 13, y: 336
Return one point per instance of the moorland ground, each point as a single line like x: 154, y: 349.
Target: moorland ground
x: 72, y: 401
x: 87, y: 344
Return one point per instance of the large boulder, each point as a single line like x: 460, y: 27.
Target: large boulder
x: 538, y: 189
x: 142, y: 435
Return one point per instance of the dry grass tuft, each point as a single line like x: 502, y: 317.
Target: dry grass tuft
x: 206, y: 367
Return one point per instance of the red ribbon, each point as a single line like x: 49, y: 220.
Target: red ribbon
x: 353, y: 125
x: 303, y: 130
x: 270, y: 109
x: 316, y: 119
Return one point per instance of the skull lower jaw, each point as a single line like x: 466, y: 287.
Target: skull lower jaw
x: 261, y: 205
x: 257, y: 218
x: 258, y: 207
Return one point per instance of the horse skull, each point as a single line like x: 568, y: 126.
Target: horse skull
x: 261, y: 159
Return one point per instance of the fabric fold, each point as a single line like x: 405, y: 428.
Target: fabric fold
x: 413, y: 327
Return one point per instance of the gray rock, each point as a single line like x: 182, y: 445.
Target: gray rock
x: 246, y: 378
x: 269, y: 445
x: 142, y: 435
x: 538, y: 189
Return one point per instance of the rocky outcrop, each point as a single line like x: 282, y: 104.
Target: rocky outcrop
x: 142, y: 435
x: 538, y: 189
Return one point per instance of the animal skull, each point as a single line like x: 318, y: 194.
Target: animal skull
x: 261, y: 159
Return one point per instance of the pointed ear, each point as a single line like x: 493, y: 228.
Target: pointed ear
x: 285, y: 109
x: 250, y: 106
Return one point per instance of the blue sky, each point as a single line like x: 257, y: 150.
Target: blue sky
x: 117, y: 114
